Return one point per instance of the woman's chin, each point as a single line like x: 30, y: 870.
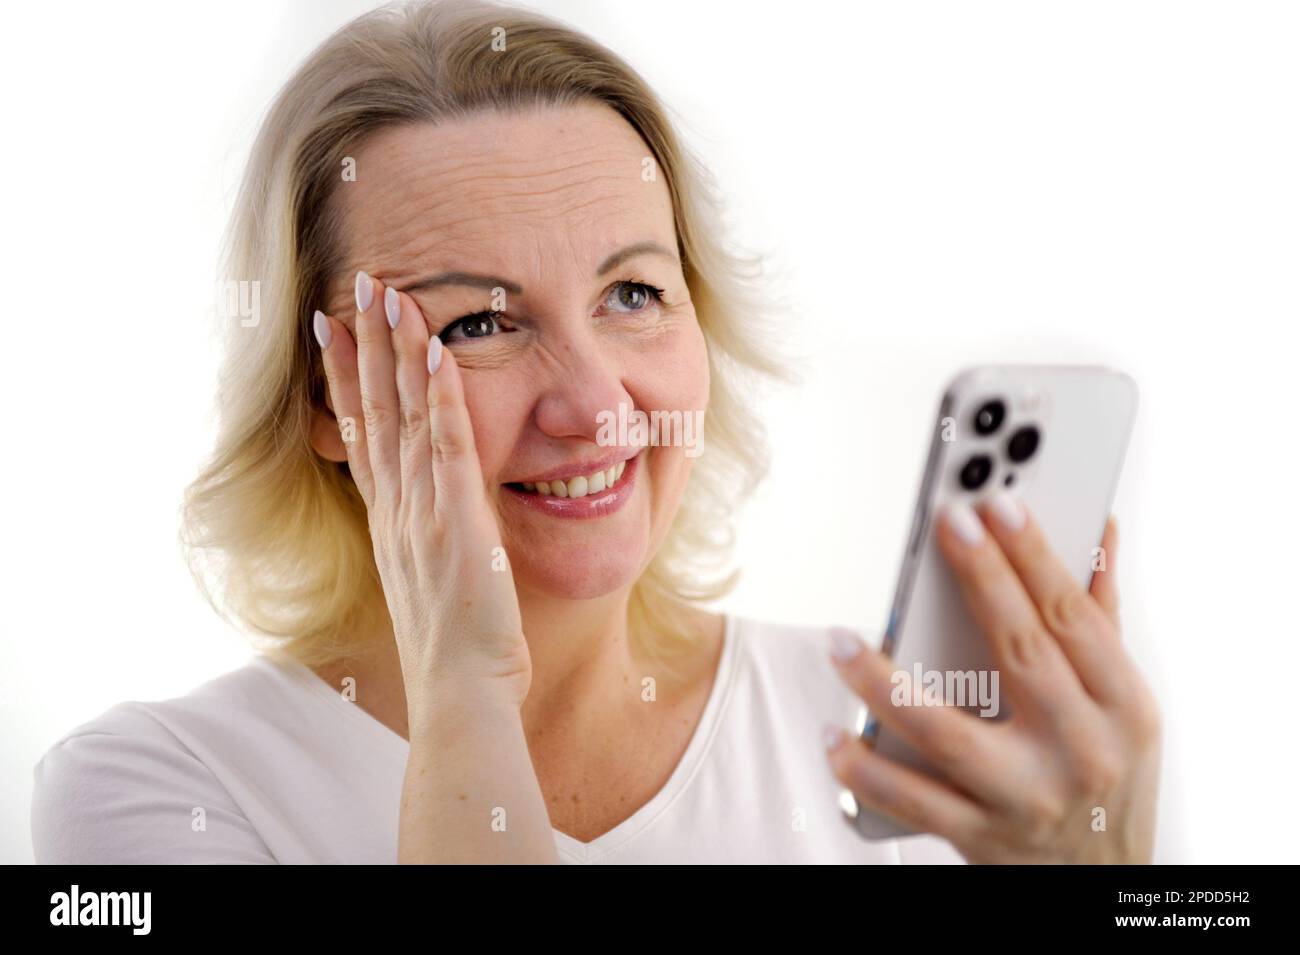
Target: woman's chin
x: 579, y: 559
x: 577, y: 577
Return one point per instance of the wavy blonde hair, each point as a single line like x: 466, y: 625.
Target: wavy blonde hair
x: 276, y: 535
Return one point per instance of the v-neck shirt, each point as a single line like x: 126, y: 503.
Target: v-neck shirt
x: 268, y: 763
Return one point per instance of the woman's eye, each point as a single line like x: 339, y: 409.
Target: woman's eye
x: 634, y: 296
x: 481, y: 325
x: 624, y: 297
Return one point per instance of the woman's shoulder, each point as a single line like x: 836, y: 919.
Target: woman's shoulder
x: 132, y: 785
x: 245, y: 693
x: 786, y: 667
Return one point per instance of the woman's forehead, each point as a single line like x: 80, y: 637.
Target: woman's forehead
x: 550, y: 186
x: 543, y: 163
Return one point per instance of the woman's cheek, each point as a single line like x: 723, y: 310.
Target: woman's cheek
x: 488, y: 418
x: 679, y: 370
x: 677, y: 379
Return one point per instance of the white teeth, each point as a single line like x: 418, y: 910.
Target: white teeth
x: 579, y: 486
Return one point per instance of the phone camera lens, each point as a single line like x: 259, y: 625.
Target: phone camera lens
x: 1023, y: 444
x: 976, y: 471
x: 990, y: 416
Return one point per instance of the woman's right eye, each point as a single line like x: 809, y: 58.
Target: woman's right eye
x: 482, y: 325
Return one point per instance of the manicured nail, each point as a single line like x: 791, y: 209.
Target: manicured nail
x: 844, y: 644
x: 832, y: 737
x: 392, y: 306
x: 435, y: 353
x: 964, y: 520
x: 1008, y: 510
x: 321, y: 326
x: 365, y: 291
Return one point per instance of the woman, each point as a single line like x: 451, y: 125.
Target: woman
x: 482, y: 240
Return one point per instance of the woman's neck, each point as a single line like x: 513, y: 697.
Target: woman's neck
x: 588, y: 670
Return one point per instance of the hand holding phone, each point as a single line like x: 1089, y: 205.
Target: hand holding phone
x: 1019, y: 730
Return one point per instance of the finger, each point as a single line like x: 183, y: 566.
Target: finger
x: 410, y: 335
x: 1105, y: 583
x: 379, y: 406
x: 961, y: 747
x: 457, y: 474
x: 339, y: 355
x: 1081, y: 627
x: 904, y: 794
x: 1036, y: 673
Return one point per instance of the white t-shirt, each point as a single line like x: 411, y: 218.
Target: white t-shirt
x: 269, y: 764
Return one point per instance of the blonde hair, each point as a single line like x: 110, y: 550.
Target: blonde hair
x: 277, y: 536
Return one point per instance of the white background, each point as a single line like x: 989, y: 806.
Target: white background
x: 935, y: 184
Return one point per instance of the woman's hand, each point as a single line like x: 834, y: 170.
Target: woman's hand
x: 1081, y: 750
x: 470, y: 793
x: 437, y: 545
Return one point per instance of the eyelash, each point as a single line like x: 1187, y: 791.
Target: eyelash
x: 656, y: 294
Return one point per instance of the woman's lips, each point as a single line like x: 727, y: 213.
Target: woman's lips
x: 599, y: 504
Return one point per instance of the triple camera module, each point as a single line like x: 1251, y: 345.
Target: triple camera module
x: 1020, y: 447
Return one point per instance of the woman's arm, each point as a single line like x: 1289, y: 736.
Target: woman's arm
x: 470, y: 794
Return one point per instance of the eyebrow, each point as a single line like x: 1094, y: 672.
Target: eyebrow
x: 475, y: 280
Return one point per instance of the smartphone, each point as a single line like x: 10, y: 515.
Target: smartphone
x: 1055, y: 436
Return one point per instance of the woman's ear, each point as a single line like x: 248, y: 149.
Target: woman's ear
x: 326, y: 438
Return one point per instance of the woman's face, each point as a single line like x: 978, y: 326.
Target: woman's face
x: 560, y: 208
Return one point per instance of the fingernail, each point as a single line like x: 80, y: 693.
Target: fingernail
x: 321, y: 326
x: 832, y: 737
x: 365, y: 291
x: 392, y: 306
x: 1008, y: 510
x: 844, y: 644
x: 435, y: 353
x: 964, y: 520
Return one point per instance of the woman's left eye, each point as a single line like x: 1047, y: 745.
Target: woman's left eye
x: 634, y: 296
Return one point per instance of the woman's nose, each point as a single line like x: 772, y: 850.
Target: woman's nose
x: 581, y: 380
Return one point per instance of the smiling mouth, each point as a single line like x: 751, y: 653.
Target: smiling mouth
x: 580, y: 486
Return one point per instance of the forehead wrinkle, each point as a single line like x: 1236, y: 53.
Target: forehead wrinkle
x: 441, y: 173
x: 419, y: 218
x: 472, y: 239
x: 415, y: 157
x: 480, y: 191
x: 419, y: 241
x: 629, y: 171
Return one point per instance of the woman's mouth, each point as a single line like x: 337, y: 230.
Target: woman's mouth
x: 579, y: 486
x: 596, y: 494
